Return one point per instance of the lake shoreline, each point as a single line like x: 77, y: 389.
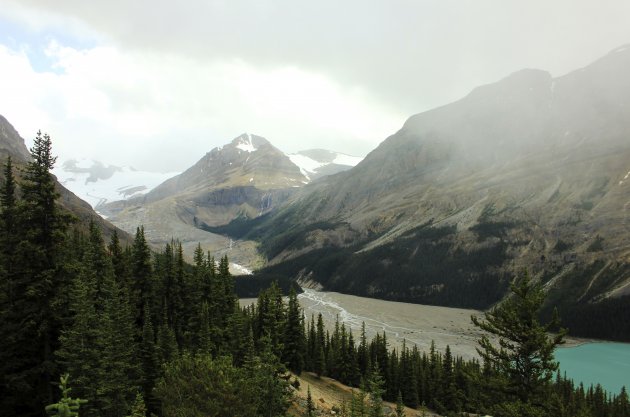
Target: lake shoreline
x: 355, y: 307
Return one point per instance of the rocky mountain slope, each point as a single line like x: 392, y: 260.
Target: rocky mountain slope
x: 242, y: 180
x: 529, y: 172
x: 12, y: 144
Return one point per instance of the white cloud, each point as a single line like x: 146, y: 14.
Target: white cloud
x: 148, y: 83
x: 165, y: 111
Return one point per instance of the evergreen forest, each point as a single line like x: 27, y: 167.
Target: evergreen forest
x: 92, y: 327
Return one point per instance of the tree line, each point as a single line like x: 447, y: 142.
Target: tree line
x: 437, y: 380
x: 129, y: 332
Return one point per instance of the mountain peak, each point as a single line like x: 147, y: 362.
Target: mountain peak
x: 249, y: 143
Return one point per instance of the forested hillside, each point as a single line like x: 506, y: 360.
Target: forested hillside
x: 131, y: 332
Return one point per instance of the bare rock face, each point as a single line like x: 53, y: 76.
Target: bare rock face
x: 11, y: 143
x: 529, y: 172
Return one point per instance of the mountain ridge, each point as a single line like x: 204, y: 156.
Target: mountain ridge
x: 527, y: 172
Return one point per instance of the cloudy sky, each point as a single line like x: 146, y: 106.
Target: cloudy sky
x: 156, y: 84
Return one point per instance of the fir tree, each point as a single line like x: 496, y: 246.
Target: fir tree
x: 10, y: 351
x: 142, y: 279
x: 39, y: 287
x: 138, y: 409
x: 8, y: 236
x: 81, y: 349
x: 357, y: 403
x: 149, y: 358
x: 319, y: 361
x: 400, y: 407
x: 67, y: 406
x: 310, y: 406
x: 375, y: 385
x: 293, y: 346
x: 525, y: 352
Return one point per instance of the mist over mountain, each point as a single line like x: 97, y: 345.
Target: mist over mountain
x: 530, y: 172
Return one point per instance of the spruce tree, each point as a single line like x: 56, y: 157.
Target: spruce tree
x: 9, y: 325
x: 450, y: 394
x: 524, y: 355
x: 37, y: 288
x: 400, y: 407
x: 122, y: 372
x: 363, y: 353
x: 142, y: 280
x: 81, y: 349
x: 149, y: 358
x: 310, y: 406
x: 293, y: 346
x: 67, y: 406
x: 8, y: 234
x: 319, y: 360
x: 375, y: 385
x: 138, y: 409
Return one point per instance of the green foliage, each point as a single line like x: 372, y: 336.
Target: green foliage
x: 33, y: 285
x: 98, y: 347
x: 247, y: 286
x: 524, y: 355
x: 427, y: 263
x: 67, y: 406
x: 375, y: 386
x: 310, y: 406
x: 400, y: 407
x: 198, y: 385
x: 237, y: 228
x: 294, y: 338
x: 125, y: 320
x: 138, y: 409
x: 599, y: 318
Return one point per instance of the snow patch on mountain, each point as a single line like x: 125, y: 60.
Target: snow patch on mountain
x: 349, y: 160
x: 315, y: 163
x: 240, y: 269
x: 98, y: 183
x: 246, y: 144
x: 307, y: 165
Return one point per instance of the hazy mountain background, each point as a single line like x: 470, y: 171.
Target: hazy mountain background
x: 530, y: 172
x: 244, y: 179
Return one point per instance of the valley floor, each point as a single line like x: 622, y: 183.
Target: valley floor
x: 414, y: 323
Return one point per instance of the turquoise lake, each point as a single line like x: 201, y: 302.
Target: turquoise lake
x: 605, y: 363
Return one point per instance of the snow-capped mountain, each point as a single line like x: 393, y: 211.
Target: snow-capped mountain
x: 98, y: 183
x: 316, y: 163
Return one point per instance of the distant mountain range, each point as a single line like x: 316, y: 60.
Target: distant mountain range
x: 244, y: 179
